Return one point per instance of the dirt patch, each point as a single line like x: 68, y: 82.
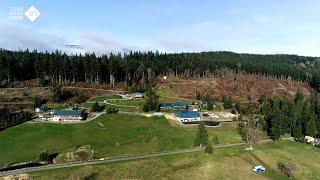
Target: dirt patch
x: 23, y: 176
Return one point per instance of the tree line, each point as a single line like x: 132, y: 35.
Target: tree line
x: 8, y: 118
x: 298, y: 117
x: 139, y: 67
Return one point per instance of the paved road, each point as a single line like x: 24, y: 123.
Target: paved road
x: 118, y: 159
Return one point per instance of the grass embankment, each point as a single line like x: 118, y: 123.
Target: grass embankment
x: 224, y: 163
x: 108, y: 135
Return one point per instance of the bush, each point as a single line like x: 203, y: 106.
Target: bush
x: 42, y: 82
x: 209, y: 149
x: 84, y: 156
x: 92, y: 176
x: 112, y: 110
x: 44, y: 156
x: 287, y: 169
x: 96, y: 108
x: 209, y: 106
x: 145, y: 108
x: 58, y: 95
x: 37, y: 102
x: 216, y: 140
x: 79, y: 98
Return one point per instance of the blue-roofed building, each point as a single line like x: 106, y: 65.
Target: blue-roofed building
x: 174, y: 105
x: 188, y: 116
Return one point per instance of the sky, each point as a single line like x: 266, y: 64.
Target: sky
x: 244, y: 26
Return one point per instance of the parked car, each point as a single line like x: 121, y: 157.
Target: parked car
x: 258, y: 169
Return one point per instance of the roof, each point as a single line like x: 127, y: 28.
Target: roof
x: 187, y: 114
x: 137, y: 94
x: 42, y: 108
x: 174, y: 104
x: 68, y: 112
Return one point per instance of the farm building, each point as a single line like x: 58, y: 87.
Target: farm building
x: 174, y: 105
x: 188, y: 116
x: 68, y: 114
x: 137, y: 95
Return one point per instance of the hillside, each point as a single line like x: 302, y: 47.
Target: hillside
x: 135, y: 67
x: 240, y: 87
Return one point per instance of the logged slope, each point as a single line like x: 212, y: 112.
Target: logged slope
x: 238, y: 86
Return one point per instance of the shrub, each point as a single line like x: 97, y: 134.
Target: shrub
x: 79, y: 98
x: 287, y: 169
x: 216, y: 140
x: 209, y: 149
x: 37, y: 102
x: 44, y: 156
x: 84, y: 156
x: 145, y: 108
x: 95, y: 107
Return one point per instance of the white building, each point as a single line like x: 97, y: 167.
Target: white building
x: 68, y: 114
x: 137, y: 95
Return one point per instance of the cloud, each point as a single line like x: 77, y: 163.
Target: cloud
x: 102, y: 43
x: 17, y: 38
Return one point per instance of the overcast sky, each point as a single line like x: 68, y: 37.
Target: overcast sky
x: 270, y: 26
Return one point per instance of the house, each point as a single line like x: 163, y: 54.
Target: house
x: 69, y: 115
x: 137, y: 95
x: 174, y: 105
x: 188, y: 116
x: 41, y: 109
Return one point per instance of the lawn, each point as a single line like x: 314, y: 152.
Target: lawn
x: 131, y: 102
x: 121, y: 134
x: 102, y: 98
x: 224, y: 163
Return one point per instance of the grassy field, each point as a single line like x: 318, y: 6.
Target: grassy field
x: 109, y: 135
x: 224, y: 163
x: 102, y: 98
